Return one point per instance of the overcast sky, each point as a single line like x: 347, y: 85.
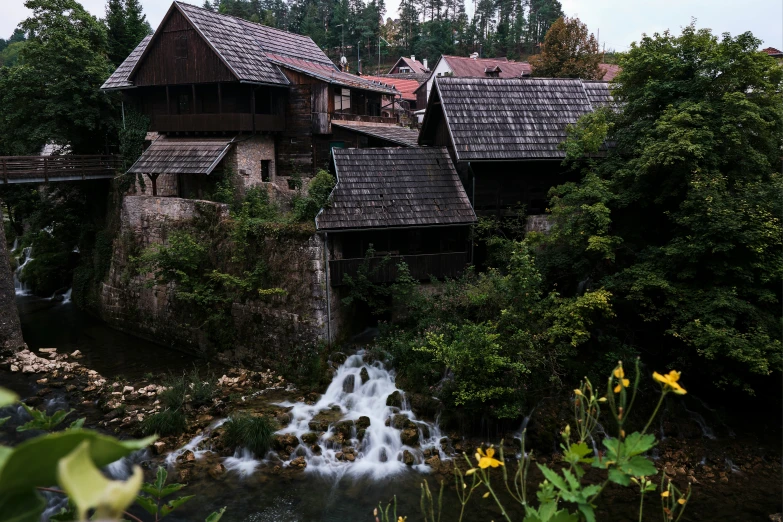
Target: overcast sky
x: 619, y: 22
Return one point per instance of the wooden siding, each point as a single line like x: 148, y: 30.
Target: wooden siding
x: 294, y: 147
x: 320, y: 108
x: 196, y: 63
x: 422, y: 267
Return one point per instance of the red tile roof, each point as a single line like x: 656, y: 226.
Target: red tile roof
x: 610, y: 70
x: 406, y: 87
x: 772, y: 51
x: 465, y: 67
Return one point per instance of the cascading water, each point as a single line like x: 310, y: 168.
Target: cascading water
x: 26, y: 257
x: 369, y: 437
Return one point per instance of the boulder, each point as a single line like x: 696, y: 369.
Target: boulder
x: 217, y: 471
x: 159, y: 447
x: 299, y: 463
x: 349, y: 383
x: 310, y: 438
x: 433, y: 462
x: 394, y: 399
x: 410, y: 436
x: 407, y: 458
x: 364, y: 374
x: 281, y: 442
x: 344, y: 428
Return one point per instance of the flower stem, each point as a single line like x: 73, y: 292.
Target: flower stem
x: 660, y: 401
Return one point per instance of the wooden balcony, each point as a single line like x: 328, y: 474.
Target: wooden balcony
x: 422, y: 267
x: 341, y: 116
x: 226, y: 122
x: 42, y: 169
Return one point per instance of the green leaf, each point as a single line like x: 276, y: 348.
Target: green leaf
x: 639, y: 466
x: 34, y: 462
x: 88, y: 489
x: 77, y: 424
x: 587, y: 511
x: 214, y: 517
x: 636, y: 444
x: 3, y: 420
x: 173, y: 504
x: 618, y: 477
x: 553, y: 477
x: 160, y: 480
x: 23, y: 506
x: 564, y: 516
x: 7, y: 397
x: 148, y: 504
x: 171, y: 488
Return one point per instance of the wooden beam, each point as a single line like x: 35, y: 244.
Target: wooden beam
x: 168, y: 102
x: 193, y: 88
x: 220, y: 99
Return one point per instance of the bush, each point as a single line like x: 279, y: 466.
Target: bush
x: 318, y: 191
x: 165, y: 423
x: 201, y: 390
x: 253, y: 433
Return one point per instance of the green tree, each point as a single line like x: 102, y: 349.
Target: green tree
x: 126, y: 26
x: 568, y: 52
x: 53, y: 95
x: 682, y: 219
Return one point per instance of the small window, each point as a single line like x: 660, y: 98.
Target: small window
x: 181, y: 46
x: 265, y: 176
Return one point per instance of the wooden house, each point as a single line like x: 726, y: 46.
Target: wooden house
x: 410, y: 65
x: 504, y: 136
x: 405, y: 203
x: 268, y: 96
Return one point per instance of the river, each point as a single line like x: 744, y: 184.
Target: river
x: 335, y: 491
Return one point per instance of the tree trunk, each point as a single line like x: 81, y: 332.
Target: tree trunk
x: 10, y: 327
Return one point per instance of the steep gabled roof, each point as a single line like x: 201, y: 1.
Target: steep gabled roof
x: 393, y: 133
x: 466, y: 67
x: 493, y: 119
x: 609, y: 71
x: 169, y: 155
x: 251, y: 51
x: 395, y: 187
x: 415, y: 66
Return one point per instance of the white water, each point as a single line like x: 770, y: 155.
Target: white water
x: 380, y: 452
x: 19, y: 286
x: 67, y: 296
x: 195, y: 445
x: 243, y: 462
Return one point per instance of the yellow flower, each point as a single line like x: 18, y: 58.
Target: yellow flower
x: 487, y: 459
x: 402, y: 519
x: 485, y: 495
x: 470, y: 471
x: 670, y: 381
x: 577, y: 392
x: 665, y: 494
x: 619, y: 373
x: 681, y: 501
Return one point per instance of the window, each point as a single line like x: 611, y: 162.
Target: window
x: 342, y: 100
x: 405, y: 69
x: 265, y: 176
x: 181, y: 46
x: 184, y: 106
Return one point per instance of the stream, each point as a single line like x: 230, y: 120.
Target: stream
x: 359, y: 460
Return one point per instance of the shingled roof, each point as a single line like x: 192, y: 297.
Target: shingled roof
x: 251, y: 51
x: 395, y: 187
x: 182, y: 156
x: 512, y: 119
x: 466, y: 67
x: 414, y: 65
x: 385, y: 131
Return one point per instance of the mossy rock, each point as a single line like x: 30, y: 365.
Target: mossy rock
x: 364, y: 374
x: 394, y: 399
x: 310, y: 438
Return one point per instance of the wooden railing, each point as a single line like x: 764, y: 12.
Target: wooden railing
x: 340, y: 116
x: 382, y: 270
x: 226, y: 122
x: 42, y: 169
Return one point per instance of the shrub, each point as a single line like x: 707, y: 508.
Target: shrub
x: 201, y: 389
x: 253, y: 433
x: 165, y: 423
x: 318, y: 191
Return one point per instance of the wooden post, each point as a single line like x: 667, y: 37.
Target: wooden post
x: 253, y: 108
x: 154, y: 180
x: 168, y: 102
x: 220, y: 99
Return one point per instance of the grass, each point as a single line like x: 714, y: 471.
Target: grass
x: 165, y: 423
x: 201, y: 390
x: 174, y: 395
x: 253, y: 433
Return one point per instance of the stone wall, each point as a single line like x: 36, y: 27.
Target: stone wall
x: 247, y: 155
x: 538, y: 223
x: 266, y: 331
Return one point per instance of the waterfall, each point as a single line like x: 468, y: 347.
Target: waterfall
x: 366, y: 436
x: 26, y: 257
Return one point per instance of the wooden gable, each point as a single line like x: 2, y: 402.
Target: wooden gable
x: 178, y: 54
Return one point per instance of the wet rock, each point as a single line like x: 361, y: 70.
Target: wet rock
x: 187, y: 456
x: 42, y: 381
x: 185, y: 475
x: 316, y: 449
x: 127, y: 389
x: 217, y: 471
x: 76, y: 354
x: 338, y: 358
x: 299, y: 463
x: 350, y: 457
x: 344, y: 428
x: 382, y: 455
x: 433, y: 462
x: 394, y: 399
x: 401, y: 422
x: 363, y: 423
x: 310, y: 438
x: 281, y: 442
x: 14, y: 368
x: 410, y: 436
x: 70, y: 388
x: 349, y: 383
x: 159, y: 447
x: 364, y: 374
x: 407, y: 458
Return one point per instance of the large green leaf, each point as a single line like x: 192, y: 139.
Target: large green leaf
x: 34, y: 462
x: 88, y: 489
x: 173, y: 504
x: 21, y: 506
x: 7, y: 397
x: 149, y: 505
x: 214, y: 517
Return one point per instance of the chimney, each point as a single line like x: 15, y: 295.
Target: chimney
x: 413, y: 57
x: 473, y: 56
x: 424, y: 63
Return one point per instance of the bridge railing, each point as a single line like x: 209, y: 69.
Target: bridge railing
x: 30, y: 169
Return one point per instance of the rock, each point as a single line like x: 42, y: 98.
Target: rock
x: 410, y: 436
x: 338, y: 357
x: 363, y: 422
x: 433, y: 462
x: 70, y: 388
x: 14, y: 368
x: 159, y: 447
x: 217, y: 471
x: 188, y: 456
x: 364, y: 374
x: 349, y: 383
x: 299, y: 463
x: 344, y: 428
x: 115, y: 385
x: 382, y: 455
x: 185, y: 474
x: 127, y: 389
x: 310, y: 438
x: 315, y: 448
x: 394, y: 399
x: 42, y: 381
x: 350, y: 457
x: 401, y: 422
x: 407, y: 458
x: 281, y: 442
x: 28, y: 369
x: 47, y: 350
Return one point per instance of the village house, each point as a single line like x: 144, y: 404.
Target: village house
x: 409, y: 66
x: 504, y: 137
x: 224, y: 92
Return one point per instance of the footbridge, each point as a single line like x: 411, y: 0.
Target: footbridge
x: 43, y: 169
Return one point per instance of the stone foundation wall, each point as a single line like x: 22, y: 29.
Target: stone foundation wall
x: 267, y: 332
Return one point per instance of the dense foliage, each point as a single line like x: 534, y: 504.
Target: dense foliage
x: 126, y: 26
x: 681, y: 219
x: 568, y: 51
